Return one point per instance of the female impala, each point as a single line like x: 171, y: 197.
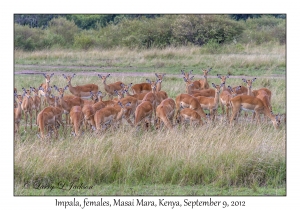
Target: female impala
x: 146, y: 87
x: 202, y: 83
x: 36, y: 101
x: 253, y: 104
x: 27, y: 106
x: 188, y: 101
x: 45, y: 86
x: 109, y: 115
x: 110, y: 89
x: 165, y: 113
x: 48, y: 118
x: 18, y: 112
x: 190, y: 115
x: 211, y: 104
x: 76, y: 119
x: 82, y: 91
x: 263, y: 94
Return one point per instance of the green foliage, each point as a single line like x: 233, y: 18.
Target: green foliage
x: 64, y: 28
x: 149, y: 31
x: 87, y: 21
x: 200, y: 29
x: 83, y: 41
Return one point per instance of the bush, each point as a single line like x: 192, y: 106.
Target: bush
x: 63, y: 28
x: 200, y: 29
x: 83, y: 41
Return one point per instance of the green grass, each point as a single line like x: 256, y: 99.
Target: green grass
x: 251, y: 60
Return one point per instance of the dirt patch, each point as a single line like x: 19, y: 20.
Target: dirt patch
x: 90, y: 71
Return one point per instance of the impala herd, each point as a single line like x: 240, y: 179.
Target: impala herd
x: 144, y: 103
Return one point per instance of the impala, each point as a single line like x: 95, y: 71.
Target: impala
x: 76, y: 119
x: 211, y: 104
x: 82, y: 91
x: 137, y: 96
x: 225, y: 96
x: 130, y: 109
x: 109, y: 115
x: 27, y: 106
x: 68, y: 104
x: 165, y: 113
x: 187, y: 101
x: 146, y: 87
x: 108, y: 102
x: 89, y: 110
x: 36, y: 101
x: 17, y: 112
x: 202, y: 83
x: 143, y: 114
x: 210, y: 92
x: 48, y: 118
x: 45, y: 86
x: 263, y: 94
x: 110, y: 89
x: 190, y: 115
x: 253, y: 104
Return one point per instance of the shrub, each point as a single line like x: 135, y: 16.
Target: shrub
x: 83, y: 41
x: 64, y: 28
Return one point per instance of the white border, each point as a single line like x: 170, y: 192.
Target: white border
x: 154, y: 6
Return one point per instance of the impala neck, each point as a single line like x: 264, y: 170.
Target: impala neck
x: 217, y: 93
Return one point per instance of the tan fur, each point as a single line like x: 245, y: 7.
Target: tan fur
x: 165, y: 112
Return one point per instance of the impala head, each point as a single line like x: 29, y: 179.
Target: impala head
x: 186, y: 75
x: 94, y: 96
x: 223, y: 78
x: 34, y: 90
x: 26, y: 93
x: 101, y: 95
x: 276, y: 120
x: 126, y: 87
x: 234, y: 90
x: 120, y: 93
x: 69, y: 78
x: 48, y: 77
x: 15, y: 90
x: 249, y: 82
x: 205, y: 72
x: 217, y: 87
x: 19, y: 98
x: 160, y: 76
x: 103, y: 77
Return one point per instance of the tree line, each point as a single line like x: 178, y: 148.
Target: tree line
x: 84, y: 31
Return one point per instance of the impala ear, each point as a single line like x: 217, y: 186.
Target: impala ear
x: 156, y: 75
x: 213, y: 84
x: 73, y: 75
x: 130, y: 85
x: 148, y: 81
x: 99, y: 75
x: 191, y: 71
x: 67, y: 86
x: 116, y: 92
x: 192, y: 77
x: 108, y: 75
x: 209, y: 69
x: 182, y: 72
x: 227, y: 76
x: 128, y: 104
x: 185, y: 79
x: 253, y: 79
x: 64, y: 76
x: 219, y: 76
x: 122, y: 85
x: 55, y: 87
x: 51, y: 75
x: 244, y: 80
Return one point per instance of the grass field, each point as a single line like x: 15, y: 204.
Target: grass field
x: 215, y: 159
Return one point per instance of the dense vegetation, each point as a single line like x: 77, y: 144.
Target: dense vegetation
x: 144, y: 31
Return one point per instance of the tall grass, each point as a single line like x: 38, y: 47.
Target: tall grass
x: 221, y: 155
